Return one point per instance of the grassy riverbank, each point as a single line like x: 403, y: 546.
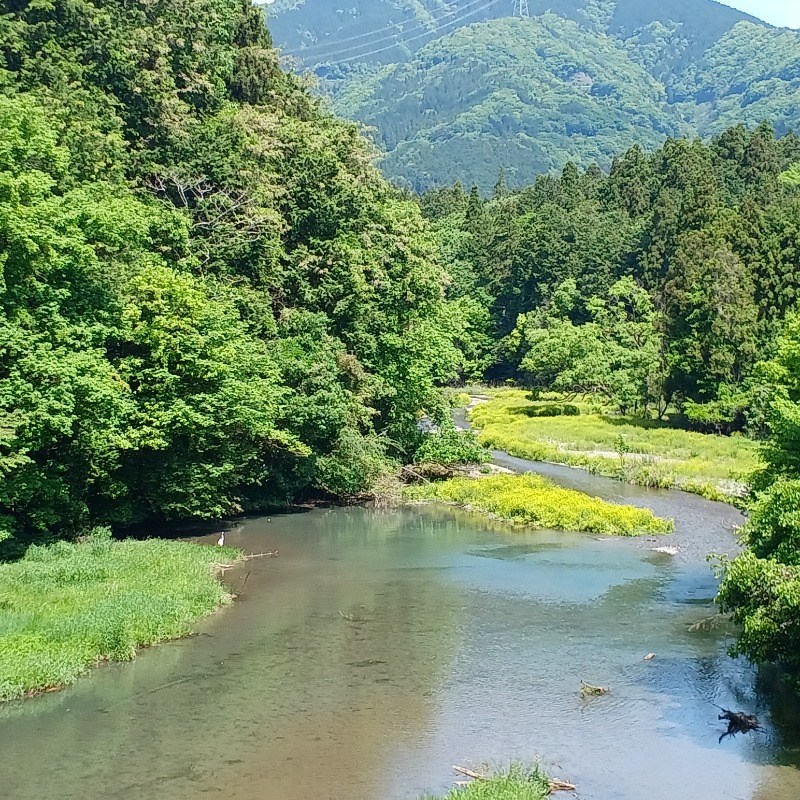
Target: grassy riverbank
x: 516, y: 783
x: 67, y: 607
x: 537, y: 502
x: 644, y: 452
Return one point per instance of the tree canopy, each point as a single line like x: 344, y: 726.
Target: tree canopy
x: 210, y: 300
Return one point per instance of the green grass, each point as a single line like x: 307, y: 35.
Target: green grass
x: 534, y: 501
x: 67, y: 607
x: 658, y: 454
x: 516, y: 783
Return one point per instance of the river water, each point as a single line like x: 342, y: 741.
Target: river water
x: 382, y: 646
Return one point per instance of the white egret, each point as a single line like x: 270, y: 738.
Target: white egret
x: 221, y: 540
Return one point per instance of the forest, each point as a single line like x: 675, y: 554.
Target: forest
x: 210, y: 301
x: 669, y: 289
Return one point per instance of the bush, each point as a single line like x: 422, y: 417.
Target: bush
x: 450, y: 446
x: 764, y: 596
x: 552, y: 410
x: 773, y: 529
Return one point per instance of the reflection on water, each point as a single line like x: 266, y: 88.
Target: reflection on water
x: 383, y: 646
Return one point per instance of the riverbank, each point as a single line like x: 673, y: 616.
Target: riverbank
x: 642, y: 452
x: 534, y: 501
x: 68, y: 607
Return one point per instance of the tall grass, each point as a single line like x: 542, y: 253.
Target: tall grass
x: 516, y: 783
x: 537, y: 502
x: 645, y: 452
x: 66, y: 607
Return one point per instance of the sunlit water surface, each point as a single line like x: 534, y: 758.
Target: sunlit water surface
x: 381, y: 647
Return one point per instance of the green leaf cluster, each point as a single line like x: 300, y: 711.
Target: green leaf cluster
x: 762, y: 586
x: 450, y: 446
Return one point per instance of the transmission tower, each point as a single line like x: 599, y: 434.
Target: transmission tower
x: 521, y: 8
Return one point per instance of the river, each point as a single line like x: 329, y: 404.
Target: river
x: 382, y: 646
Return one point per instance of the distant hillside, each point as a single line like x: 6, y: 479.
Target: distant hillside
x: 457, y: 90
x: 319, y: 31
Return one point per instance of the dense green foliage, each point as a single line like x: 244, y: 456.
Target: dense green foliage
x: 104, y: 599
x: 537, y: 502
x: 458, y: 90
x: 762, y: 586
x: 210, y: 301
x: 632, y: 449
x: 449, y: 446
x: 658, y: 286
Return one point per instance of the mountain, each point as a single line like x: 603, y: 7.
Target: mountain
x: 458, y: 90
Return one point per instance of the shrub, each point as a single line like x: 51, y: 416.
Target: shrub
x: 773, y: 529
x: 552, y: 410
x: 450, y: 446
x: 764, y: 596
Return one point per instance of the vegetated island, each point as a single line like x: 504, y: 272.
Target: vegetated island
x: 515, y: 782
x: 537, y: 502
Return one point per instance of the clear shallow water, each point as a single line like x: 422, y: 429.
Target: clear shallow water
x: 381, y: 647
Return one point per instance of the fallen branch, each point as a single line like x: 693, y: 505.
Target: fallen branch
x: 710, y: 623
x: 738, y: 722
x: 469, y: 773
x: 415, y: 474
x: 268, y: 554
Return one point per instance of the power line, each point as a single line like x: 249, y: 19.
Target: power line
x: 419, y: 36
x: 393, y: 36
x: 370, y: 34
x: 337, y: 53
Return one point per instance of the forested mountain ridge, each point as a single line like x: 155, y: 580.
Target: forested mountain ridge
x: 462, y: 90
x: 209, y: 298
x: 321, y: 32
x: 476, y: 101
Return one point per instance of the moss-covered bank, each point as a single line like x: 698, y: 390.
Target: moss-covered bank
x: 67, y: 607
